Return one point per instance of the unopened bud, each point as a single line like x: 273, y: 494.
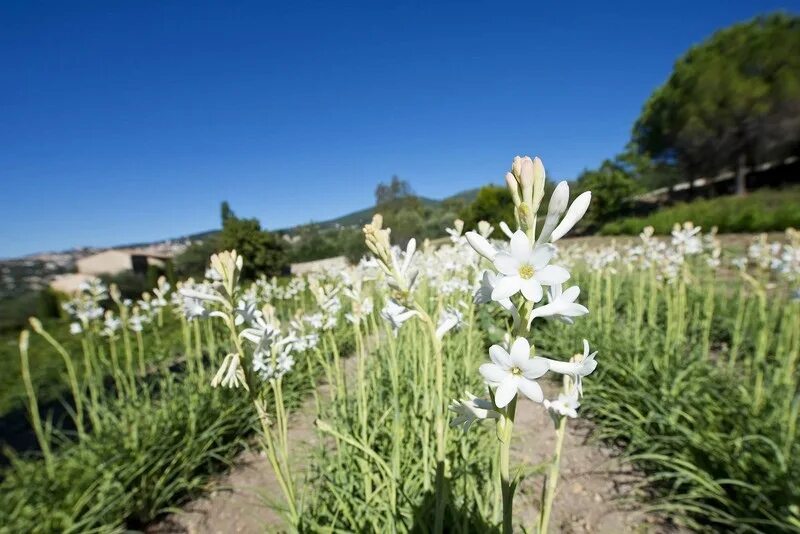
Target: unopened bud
x: 24, y: 339
x: 513, y: 188
x: 36, y: 324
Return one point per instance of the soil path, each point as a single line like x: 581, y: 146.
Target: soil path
x: 590, y: 495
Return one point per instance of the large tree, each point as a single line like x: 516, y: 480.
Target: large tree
x: 731, y: 101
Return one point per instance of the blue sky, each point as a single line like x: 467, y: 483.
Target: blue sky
x: 131, y: 121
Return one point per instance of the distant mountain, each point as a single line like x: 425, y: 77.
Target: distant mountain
x: 363, y: 216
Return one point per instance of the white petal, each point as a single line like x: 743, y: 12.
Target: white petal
x: 542, y: 254
x: 492, y: 373
x: 481, y: 245
x: 531, y: 289
x: 506, y: 391
x: 574, y: 310
x: 499, y: 356
x: 506, y: 263
x: 535, y: 367
x: 574, y: 214
x: 585, y: 348
x: 571, y: 294
x: 551, y: 275
x: 506, y: 286
x: 520, y: 246
x: 520, y: 351
x: 558, y: 203
x: 410, y: 249
x: 505, y: 229
x: 530, y: 389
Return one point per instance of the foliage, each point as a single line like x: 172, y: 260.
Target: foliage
x: 493, y: 203
x: 265, y: 252
x: 762, y: 211
x: 193, y: 261
x: 734, y: 97
x: 395, y: 190
x: 700, y: 394
x: 612, y: 188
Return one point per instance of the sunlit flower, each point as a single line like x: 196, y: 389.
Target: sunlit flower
x: 565, y: 406
x: 525, y: 269
x: 396, y: 315
x: 230, y: 373
x: 580, y: 366
x: 449, y: 319
x: 561, y: 305
x: 471, y: 409
x: 514, y: 371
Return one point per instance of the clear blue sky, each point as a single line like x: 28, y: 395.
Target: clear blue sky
x: 131, y: 121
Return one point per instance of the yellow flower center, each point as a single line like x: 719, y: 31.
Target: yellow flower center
x: 526, y: 271
x: 516, y: 371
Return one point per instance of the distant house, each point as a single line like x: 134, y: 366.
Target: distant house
x: 115, y: 261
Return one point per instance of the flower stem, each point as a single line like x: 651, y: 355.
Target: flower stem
x: 552, y: 477
x: 506, y: 483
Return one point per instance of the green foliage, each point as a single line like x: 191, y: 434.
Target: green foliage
x: 735, y: 95
x: 193, y: 261
x: 611, y: 187
x: 762, y: 211
x: 130, y: 284
x: 265, y: 253
x: 395, y: 190
x: 493, y: 203
x: 703, y: 403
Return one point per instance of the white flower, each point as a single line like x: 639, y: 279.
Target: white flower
x: 246, y: 311
x: 455, y: 232
x: 485, y: 229
x: 471, y: 409
x: 514, y: 372
x: 396, y: 314
x: 75, y: 328
x: 230, y: 373
x: 574, y: 214
x: 449, y: 319
x: 483, y: 294
x: 561, y: 305
x: 583, y: 365
x: 526, y: 270
x: 566, y: 405
x: 481, y: 245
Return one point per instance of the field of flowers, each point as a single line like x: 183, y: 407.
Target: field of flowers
x: 681, y: 354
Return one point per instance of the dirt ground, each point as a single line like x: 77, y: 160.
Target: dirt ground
x: 591, y: 492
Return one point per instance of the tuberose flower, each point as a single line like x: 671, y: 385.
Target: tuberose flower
x: 471, y: 409
x: 561, y: 305
x: 525, y: 269
x: 582, y: 365
x: 514, y: 371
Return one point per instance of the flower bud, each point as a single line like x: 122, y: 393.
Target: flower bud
x: 24, y: 338
x: 36, y: 324
x: 513, y: 188
x: 538, y: 182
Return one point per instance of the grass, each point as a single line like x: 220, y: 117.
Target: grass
x: 765, y: 210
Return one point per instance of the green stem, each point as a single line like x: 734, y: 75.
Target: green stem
x: 552, y: 477
x: 506, y: 482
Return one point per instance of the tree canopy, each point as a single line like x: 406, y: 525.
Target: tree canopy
x: 730, y: 101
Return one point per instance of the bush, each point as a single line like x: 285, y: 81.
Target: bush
x: 763, y: 211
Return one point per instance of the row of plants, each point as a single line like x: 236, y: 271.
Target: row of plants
x: 765, y: 210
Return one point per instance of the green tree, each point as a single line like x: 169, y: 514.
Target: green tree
x: 731, y: 101
x: 264, y: 252
x: 612, y: 191
x: 492, y: 203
